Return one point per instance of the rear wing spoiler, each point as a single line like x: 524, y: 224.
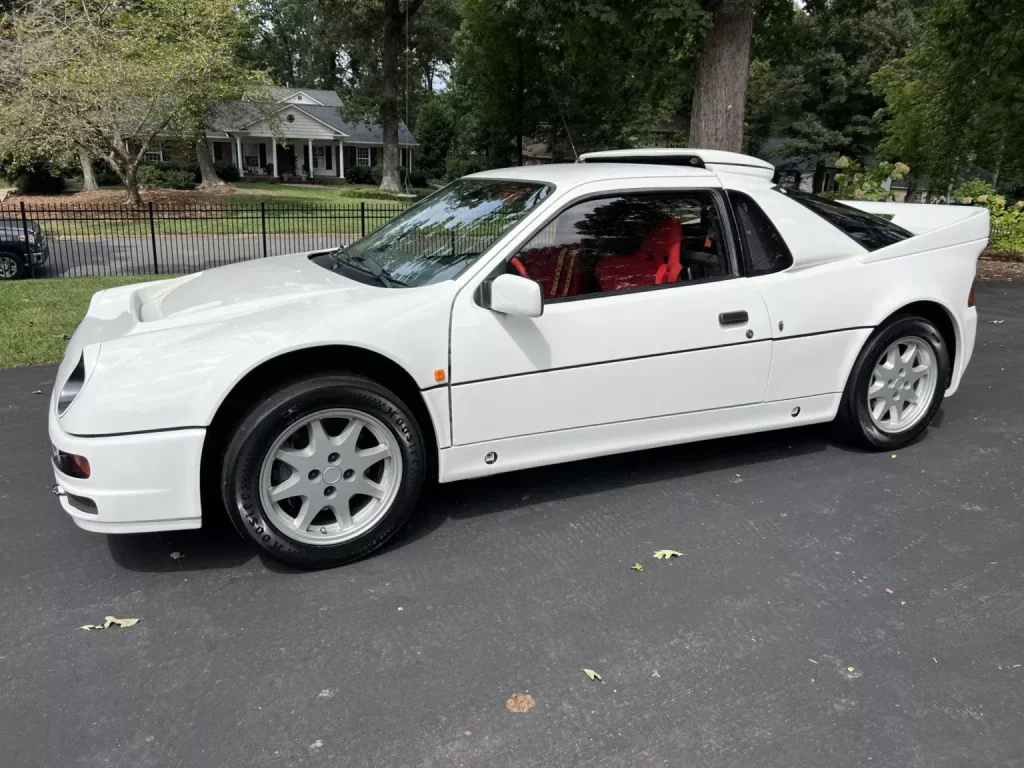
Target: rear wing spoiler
x: 933, y: 226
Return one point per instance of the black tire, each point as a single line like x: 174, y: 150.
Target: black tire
x: 255, y: 434
x: 854, y: 419
x: 12, y: 266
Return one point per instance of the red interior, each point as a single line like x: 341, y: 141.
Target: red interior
x: 559, y: 270
x: 657, y: 261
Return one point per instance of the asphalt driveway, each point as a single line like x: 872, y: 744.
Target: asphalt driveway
x: 833, y: 608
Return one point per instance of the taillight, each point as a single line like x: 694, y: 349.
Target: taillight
x: 970, y: 297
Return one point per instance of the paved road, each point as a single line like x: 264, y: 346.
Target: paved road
x: 738, y: 654
x: 175, y: 254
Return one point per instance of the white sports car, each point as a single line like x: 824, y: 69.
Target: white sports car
x: 515, y: 318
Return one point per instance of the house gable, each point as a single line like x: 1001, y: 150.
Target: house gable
x: 293, y: 123
x: 300, y: 97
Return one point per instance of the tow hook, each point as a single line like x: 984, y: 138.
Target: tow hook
x: 58, y: 491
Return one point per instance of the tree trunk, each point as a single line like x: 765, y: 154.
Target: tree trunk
x: 88, y: 177
x: 394, y: 20
x: 206, y: 169
x: 720, y: 93
x: 131, y: 184
x: 519, y: 100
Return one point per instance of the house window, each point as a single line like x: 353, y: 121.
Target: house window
x: 625, y: 242
x: 251, y: 155
x: 154, y: 154
x: 362, y: 155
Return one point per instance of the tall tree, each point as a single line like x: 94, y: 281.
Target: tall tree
x: 110, y: 78
x: 386, y: 55
x: 957, y: 98
x: 723, y: 69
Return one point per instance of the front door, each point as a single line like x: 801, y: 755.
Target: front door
x: 286, y: 159
x: 644, y: 317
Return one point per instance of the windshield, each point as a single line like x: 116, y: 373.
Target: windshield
x: 441, y: 236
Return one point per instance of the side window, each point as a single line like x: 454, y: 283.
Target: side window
x: 764, y: 250
x: 626, y: 242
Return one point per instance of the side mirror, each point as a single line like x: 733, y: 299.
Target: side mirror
x: 514, y: 295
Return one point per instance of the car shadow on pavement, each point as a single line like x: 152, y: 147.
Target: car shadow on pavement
x: 218, y: 545
x: 506, y: 492
x: 215, y: 545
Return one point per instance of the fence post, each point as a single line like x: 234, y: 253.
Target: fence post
x: 152, y: 238
x: 28, y: 245
x: 263, y: 225
x: 362, y: 218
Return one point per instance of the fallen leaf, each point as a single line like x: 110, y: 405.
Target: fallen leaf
x: 326, y: 693
x: 123, y: 623
x: 888, y: 591
x: 64, y: 336
x: 637, y: 566
x: 935, y: 660
x: 519, y: 702
x: 812, y: 661
x: 998, y: 322
x: 894, y: 455
x: 37, y: 391
x: 655, y: 674
x: 665, y: 554
x: 467, y: 733
x: 401, y: 608
x: 903, y: 602
x: 316, y: 744
x: 592, y: 675
x: 89, y: 627
x: 176, y: 555
x: 849, y: 669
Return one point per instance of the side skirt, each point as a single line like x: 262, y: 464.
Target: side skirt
x: 461, y: 462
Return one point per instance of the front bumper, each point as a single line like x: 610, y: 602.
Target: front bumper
x: 139, y: 482
x: 40, y: 254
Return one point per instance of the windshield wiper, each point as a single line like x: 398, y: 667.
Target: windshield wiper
x: 366, y: 264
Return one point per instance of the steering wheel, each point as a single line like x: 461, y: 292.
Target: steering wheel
x: 519, y: 267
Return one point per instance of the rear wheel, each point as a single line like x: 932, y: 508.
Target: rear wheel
x: 324, y: 471
x: 11, y: 266
x: 896, y: 386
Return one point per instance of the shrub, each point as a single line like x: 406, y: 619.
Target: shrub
x: 855, y: 182
x: 167, y: 176
x: 358, y: 174
x: 417, y: 178
x: 105, y: 177
x: 226, y: 171
x: 460, y: 165
x: 1007, y: 218
x: 38, y: 180
x: 377, y: 174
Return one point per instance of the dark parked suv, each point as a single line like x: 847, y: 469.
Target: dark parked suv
x: 15, y: 251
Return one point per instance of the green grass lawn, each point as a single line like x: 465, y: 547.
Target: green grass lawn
x: 313, y: 194
x: 36, y: 315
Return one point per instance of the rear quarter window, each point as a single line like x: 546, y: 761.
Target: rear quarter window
x: 872, y: 232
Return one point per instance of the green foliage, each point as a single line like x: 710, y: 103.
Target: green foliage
x: 855, y: 182
x: 956, y: 99
x: 226, y: 171
x: 590, y: 74
x: 168, y: 176
x: 104, y: 176
x: 38, y: 179
x: 109, y: 77
x: 358, y: 174
x: 811, y: 72
x: 435, y: 132
x: 1007, y: 217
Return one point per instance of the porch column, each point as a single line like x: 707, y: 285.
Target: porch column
x: 277, y: 171
x: 408, y: 152
x: 341, y: 159
x: 241, y: 167
x: 310, y: 141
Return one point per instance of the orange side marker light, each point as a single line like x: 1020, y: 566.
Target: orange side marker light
x: 439, y: 374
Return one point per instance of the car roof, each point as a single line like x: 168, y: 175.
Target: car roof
x: 573, y: 174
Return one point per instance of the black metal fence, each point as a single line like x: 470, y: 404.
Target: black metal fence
x: 174, y: 239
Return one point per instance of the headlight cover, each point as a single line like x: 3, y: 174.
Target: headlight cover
x: 71, y: 387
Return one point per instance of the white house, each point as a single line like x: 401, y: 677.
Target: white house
x: 313, y: 141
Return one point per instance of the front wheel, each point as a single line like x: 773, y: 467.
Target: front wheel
x: 324, y: 471
x: 11, y: 266
x: 896, y: 386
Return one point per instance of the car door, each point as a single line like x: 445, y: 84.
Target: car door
x: 644, y: 317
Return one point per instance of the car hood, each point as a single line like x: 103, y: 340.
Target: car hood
x: 243, y: 288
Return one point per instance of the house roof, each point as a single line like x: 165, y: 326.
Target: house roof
x: 238, y: 115
x: 327, y: 98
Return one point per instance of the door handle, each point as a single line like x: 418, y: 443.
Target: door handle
x: 733, y: 318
